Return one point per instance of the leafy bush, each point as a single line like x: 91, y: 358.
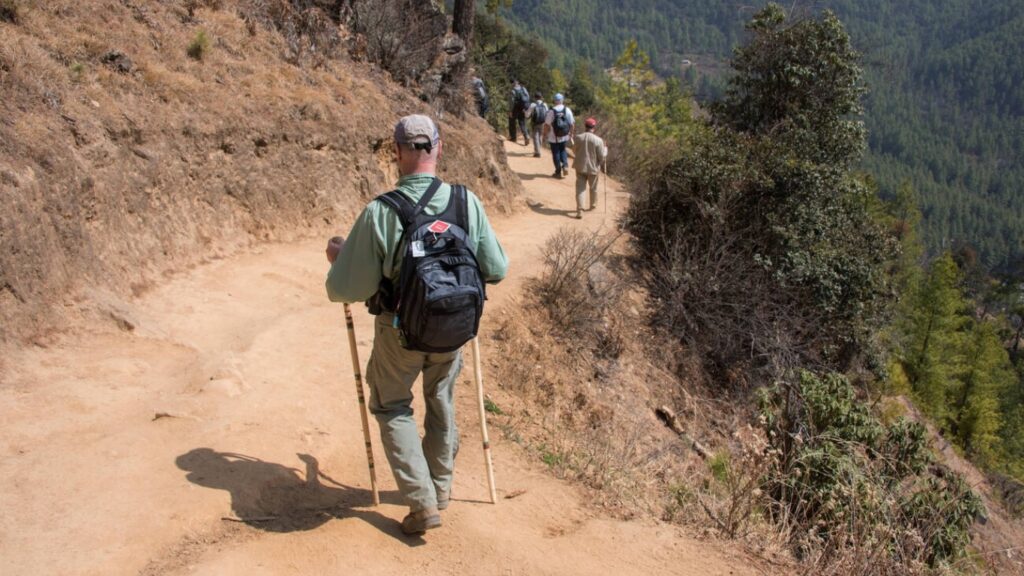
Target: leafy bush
x: 855, y: 493
x: 799, y: 81
x: 764, y: 245
x: 199, y: 46
x: 581, y: 91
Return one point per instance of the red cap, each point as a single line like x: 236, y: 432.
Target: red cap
x: 590, y: 122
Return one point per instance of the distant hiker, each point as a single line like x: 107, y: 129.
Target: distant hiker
x: 537, y: 113
x: 480, y: 96
x: 590, y: 157
x: 378, y: 264
x: 517, y: 106
x: 559, y: 128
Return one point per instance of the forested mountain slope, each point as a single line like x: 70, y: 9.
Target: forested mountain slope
x: 946, y: 102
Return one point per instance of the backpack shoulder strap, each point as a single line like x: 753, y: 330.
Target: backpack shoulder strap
x: 427, y: 196
x: 461, y: 200
x: 403, y: 205
x: 400, y: 203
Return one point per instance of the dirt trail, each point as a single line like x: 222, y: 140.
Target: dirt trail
x: 121, y: 451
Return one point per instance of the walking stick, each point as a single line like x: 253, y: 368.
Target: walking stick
x: 483, y: 420
x: 605, y: 188
x: 362, y: 402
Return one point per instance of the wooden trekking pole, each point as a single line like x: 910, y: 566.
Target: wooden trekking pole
x: 483, y: 419
x: 605, y: 186
x: 362, y: 402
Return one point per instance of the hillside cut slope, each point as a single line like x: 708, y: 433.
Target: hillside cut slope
x: 140, y: 137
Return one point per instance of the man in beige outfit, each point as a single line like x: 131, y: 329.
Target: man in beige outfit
x: 590, y: 156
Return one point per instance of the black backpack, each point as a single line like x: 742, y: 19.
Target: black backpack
x: 481, y: 92
x: 522, y: 99
x: 540, y: 112
x: 560, y: 122
x: 440, y: 294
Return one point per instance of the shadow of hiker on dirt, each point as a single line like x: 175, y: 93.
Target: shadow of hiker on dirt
x: 276, y: 498
x: 535, y: 176
x: 539, y: 208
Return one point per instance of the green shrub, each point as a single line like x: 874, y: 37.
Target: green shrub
x: 763, y: 241
x: 200, y: 45
x: 76, y: 70
x: 720, y: 465
x: 848, y: 487
x: 491, y: 407
x: 551, y: 456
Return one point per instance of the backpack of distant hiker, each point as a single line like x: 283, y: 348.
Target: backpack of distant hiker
x: 481, y: 92
x: 560, y: 122
x: 540, y: 112
x: 522, y: 98
x: 440, y: 294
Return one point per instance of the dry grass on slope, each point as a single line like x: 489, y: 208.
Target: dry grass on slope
x: 582, y: 378
x: 142, y: 137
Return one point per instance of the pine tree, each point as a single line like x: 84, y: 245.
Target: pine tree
x: 933, y: 352
x: 976, y: 399
x: 648, y: 118
x: 1012, y: 434
x: 581, y: 87
x: 905, y: 211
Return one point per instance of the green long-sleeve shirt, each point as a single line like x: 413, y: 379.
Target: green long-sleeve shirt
x: 371, y: 251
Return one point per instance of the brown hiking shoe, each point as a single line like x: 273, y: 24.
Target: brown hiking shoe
x: 420, y: 521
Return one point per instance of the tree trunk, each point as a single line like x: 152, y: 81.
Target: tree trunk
x: 463, y: 14
x: 462, y: 20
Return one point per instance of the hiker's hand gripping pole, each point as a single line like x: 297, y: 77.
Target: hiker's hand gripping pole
x: 334, y: 246
x: 483, y: 419
x: 362, y: 402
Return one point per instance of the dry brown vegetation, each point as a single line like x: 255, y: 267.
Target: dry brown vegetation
x: 591, y: 387
x: 123, y: 158
x: 582, y: 375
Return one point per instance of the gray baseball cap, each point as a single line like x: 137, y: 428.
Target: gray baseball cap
x: 416, y: 129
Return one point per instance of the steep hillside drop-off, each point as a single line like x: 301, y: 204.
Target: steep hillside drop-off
x: 142, y: 137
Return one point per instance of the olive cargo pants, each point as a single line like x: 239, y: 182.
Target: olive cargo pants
x: 582, y: 182
x: 422, y: 469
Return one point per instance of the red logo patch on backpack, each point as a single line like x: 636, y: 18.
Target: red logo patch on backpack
x: 439, y: 227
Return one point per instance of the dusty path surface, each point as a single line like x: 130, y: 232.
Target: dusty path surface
x: 122, y: 452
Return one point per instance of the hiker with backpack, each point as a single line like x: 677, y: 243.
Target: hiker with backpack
x: 419, y: 256
x: 559, y: 128
x: 589, y: 159
x: 537, y: 113
x: 480, y: 96
x: 517, y: 112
